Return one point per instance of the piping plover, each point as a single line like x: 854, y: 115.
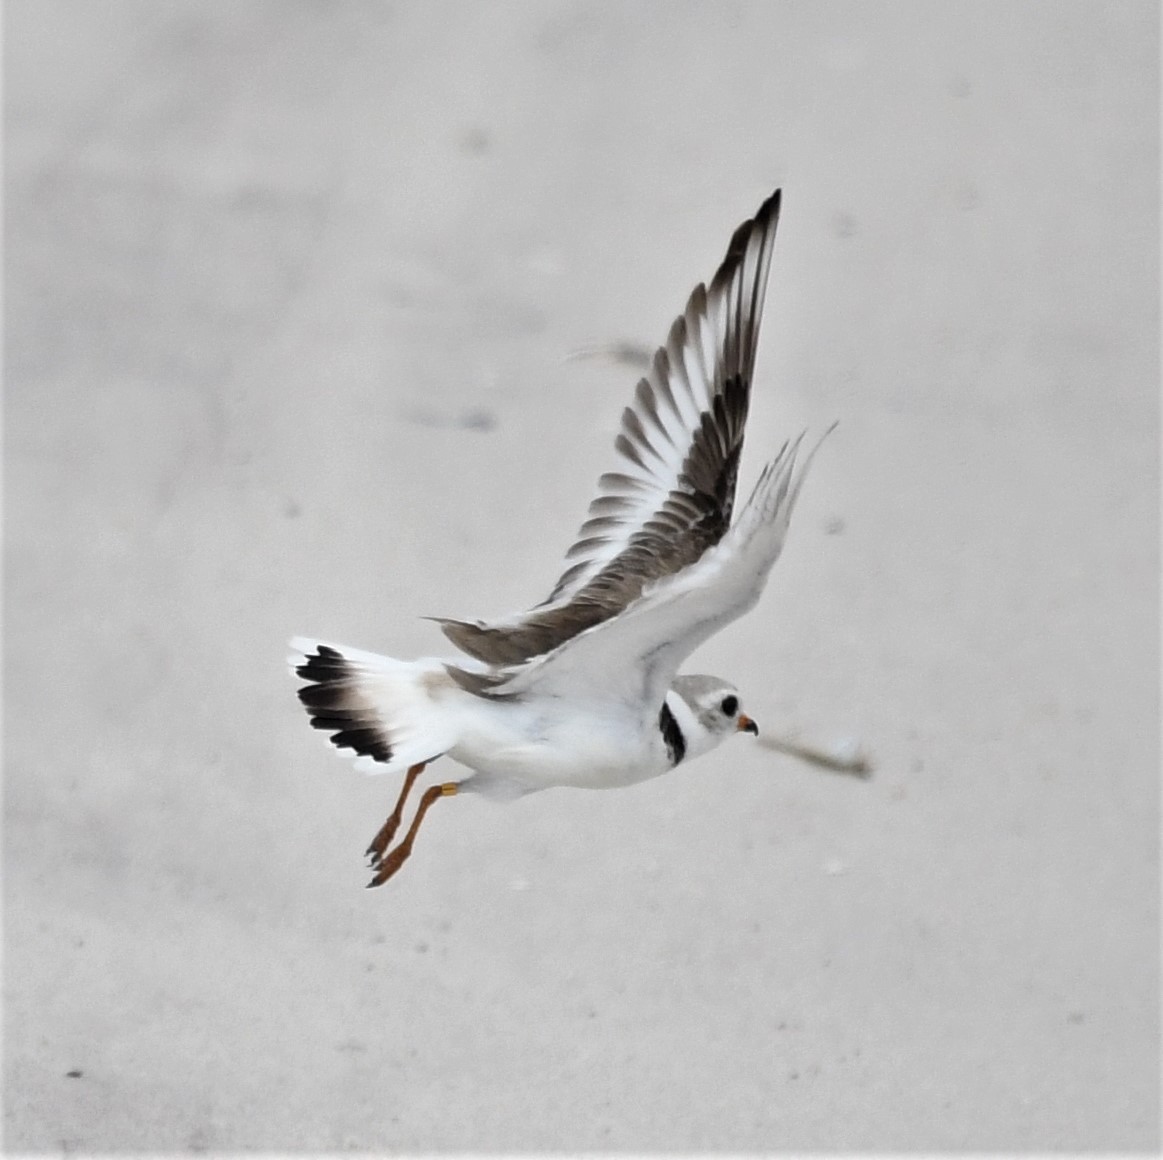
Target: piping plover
x: 583, y: 689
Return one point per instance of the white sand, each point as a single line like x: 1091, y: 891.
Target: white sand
x: 290, y: 290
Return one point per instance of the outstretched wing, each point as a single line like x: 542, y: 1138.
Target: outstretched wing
x: 632, y: 658
x: 678, y: 458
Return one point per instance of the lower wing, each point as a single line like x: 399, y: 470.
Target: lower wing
x: 637, y: 653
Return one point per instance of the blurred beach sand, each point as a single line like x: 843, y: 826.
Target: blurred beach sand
x: 291, y: 290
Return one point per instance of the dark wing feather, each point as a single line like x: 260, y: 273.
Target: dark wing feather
x: 678, y: 451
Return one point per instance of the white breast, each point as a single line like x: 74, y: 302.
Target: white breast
x: 541, y: 743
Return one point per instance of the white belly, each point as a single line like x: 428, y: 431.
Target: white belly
x: 537, y: 745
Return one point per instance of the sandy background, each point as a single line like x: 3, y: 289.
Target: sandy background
x: 290, y: 289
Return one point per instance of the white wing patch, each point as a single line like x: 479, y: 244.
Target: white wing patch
x: 635, y: 655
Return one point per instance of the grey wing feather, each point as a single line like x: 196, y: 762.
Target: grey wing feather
x: 634, y: 657
x: 672, y: 496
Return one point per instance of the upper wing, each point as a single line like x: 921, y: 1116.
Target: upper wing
x: 678, y: 458
x: 633, y: 658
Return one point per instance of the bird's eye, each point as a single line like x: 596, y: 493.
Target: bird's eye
x: 730, y: 706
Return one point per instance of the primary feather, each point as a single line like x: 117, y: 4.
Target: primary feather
x: 678, y: 451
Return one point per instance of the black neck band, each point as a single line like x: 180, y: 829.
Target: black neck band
x: 672, y: 735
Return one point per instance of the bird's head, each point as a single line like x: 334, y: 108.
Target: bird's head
x: 717, y: 711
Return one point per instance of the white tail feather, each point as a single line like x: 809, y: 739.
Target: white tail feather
x: 379, y: 707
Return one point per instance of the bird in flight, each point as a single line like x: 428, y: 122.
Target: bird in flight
x: 583, y: 689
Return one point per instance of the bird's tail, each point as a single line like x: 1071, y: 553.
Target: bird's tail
x: 377, y: 706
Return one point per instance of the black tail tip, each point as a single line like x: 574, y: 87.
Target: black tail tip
x: 335, y: 703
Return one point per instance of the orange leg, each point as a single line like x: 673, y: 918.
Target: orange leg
x: 388, y: 865
x: 388, y: 830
